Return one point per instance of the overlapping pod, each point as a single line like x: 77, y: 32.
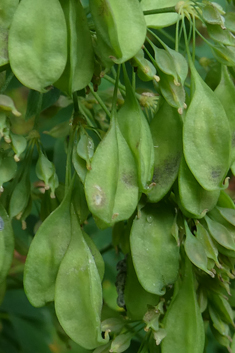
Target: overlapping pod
x: 8, y: 169
x: 137, y: 134
x: 20, y: 196
x: 80, y: 63
x: 195, y: 251
x: 194, y: 199
x: 6, y: 244
x: 38, y: 48
x: 206, y: 136
x: 225, y: 92
x: 183, y: 321
x: 162, y: 19
x: 45, y: 254
x: 120, y: 28
x: 166, y: 130
x: 136, y: 297
x: 78, y: 292
x: 154, y: 251
x: 145, y: 69
x: 111, y: 184
x: 8, y: 8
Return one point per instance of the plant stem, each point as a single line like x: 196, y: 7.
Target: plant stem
x: 163, y: 10
x: 100, y: 101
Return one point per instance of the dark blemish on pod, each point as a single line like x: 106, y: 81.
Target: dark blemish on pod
x: 129, y: 179
x: 233, y: 139
x: 216, y: 173
x: 1, y: 224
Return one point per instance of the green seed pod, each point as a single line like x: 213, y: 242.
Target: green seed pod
x: 114, y: 325
x: 218, y: 324
x: 136, y: 297
x: 96, y: 255
x: 173, y: 94
x: 8, y: 8
x: 78, y: 292
x: 85, y: 148
x: 46, y: 253
x: 145, y: 69
x: 79, y: 165
x: 158, y: 265
x: 111, y: 184
x: 19, y: 144
x: 206, y: 117
x: 8, y: 168
x: 20, y: 196
x: 80, y: 63
x: 230, y: 21
x: 224, y: 54
x: 160, y: 20
x: 195, y: 251
x: 183, y: 321
x: 121, y: 342
x: 210, y: 248
x: 38, y: 66
x: 228, y: 214
x: 212, y: 13
x: 7, y: 105
x: 6, y: 244
x: 225, y: 200
x: 225, y: 92
x: 136, y: 131
x: 220, y: 233
x: 151, y: 317
x: 166, y: 129
x: 44, y: 169
x: 222, y: 306
x: 120, y: 28
x: 222, y: 36
x: 194, y: 199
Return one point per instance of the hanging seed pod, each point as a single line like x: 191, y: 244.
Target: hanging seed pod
x: 44, y: 169
x: 193, y: 197
x: 206, y: 118
x: 8, y: 168
x: 120, y: 28
x: 166, y: 129
x: 80, y: 63
x: 20, y: 196
x: 19, y: 144
x: 184, y: 311
x: 8, y: 8
x: 111, y: 184
x: 78, y: 292
x: 39, y: 66
x: 137, y: 134
x: 225, y: 92
x: 160, y: 259
x: 7, y: 244
x: 46, y: 253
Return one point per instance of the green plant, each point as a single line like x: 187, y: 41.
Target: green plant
x: 129, y: 125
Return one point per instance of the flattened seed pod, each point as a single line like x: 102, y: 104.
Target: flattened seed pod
x: 137, y: 134
x: 38, y: 43
x: 166, y: 129
x: 120, y: 27
x: 196, y: 200
x: 225, y: 92
x: 111, y: 185
x: 46, y: 253
x: 6, y: 243
x: 154, y: 251
x: 80, y: 64
x: 183, y: 321
x: 78, y: 292
x: 206, y: 136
